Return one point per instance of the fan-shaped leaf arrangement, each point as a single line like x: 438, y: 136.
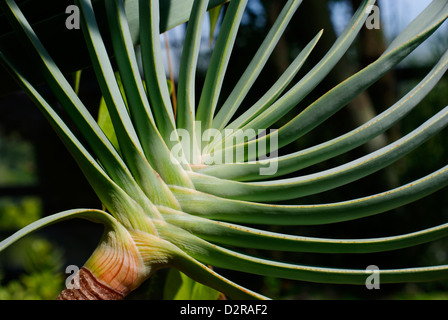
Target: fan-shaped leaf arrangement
x: 180, y: 188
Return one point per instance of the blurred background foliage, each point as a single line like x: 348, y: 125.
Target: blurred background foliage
x: 38, y: 177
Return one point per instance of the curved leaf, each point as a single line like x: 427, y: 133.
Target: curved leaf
x: 292, y: 188
x: 135, y: 96
x: 113, y: 197
x: 130, y: 146
x: 307, y: 157
x: 318, y: 73
x: 218, y: 63
x: 96, y: 216
x: 335, y: 99
x: 228, y: 259
x: 62, y: 40
x: 186, y: 110
x: 247, y: 237
x: 154, y: 73
x: 254, y: 68
x: 216, y: 208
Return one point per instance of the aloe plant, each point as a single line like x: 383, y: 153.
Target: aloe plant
x: 171, y: 211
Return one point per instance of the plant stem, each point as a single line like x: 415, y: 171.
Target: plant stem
x: 90, y: 288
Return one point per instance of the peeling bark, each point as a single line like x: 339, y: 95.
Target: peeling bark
x: 90, y: 288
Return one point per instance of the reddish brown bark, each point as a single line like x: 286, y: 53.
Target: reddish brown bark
x: 90, y: 289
